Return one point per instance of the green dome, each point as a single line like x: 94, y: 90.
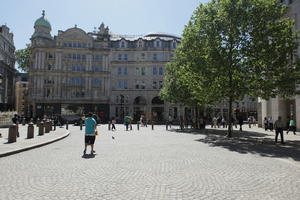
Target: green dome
x: 42, y: 21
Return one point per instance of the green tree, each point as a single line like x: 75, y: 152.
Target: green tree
x: 233, y: 48
x: 23, y: 58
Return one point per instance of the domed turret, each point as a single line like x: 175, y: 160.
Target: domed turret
x: 42, y: 21
x: 42, y: 28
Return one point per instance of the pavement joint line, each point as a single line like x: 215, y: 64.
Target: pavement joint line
x: 34, y: 146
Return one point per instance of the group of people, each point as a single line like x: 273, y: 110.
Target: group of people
x: 279, y: 126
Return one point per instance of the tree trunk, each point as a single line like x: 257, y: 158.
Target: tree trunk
x: 230, y: 118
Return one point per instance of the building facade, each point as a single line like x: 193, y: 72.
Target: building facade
x: 21, y: 94
x: 286, y: 108
x: 7, y: 69
x: 112, y: 75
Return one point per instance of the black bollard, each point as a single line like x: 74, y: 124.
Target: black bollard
x: 138, y: 126
x: 47, y: 126
x: 12, y: 133
x: 30, y: 130
x: 81, y: 125
x: 109, y: 125
x: 54, y: 125
x: 130, y: 126
x: 67, y: 125
x: 167, y: 125
x: 41, y: 128
x: 152, y: 125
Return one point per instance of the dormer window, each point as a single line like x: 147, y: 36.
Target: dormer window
x: 122, y: 44
x: 140, y: 44
x: 157, y: 43
x: 174, y: 44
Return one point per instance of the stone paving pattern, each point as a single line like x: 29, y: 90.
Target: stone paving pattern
x: 152, y: 165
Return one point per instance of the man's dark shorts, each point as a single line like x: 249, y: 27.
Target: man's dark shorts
x: 89, y: 139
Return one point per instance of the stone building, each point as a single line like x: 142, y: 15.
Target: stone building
x: 278, y: 106
x: 112, y: 75
x: 7, y: 69
x: 21, y: 94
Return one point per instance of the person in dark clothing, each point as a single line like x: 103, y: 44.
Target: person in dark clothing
x: 266, y: 123
x: 241, y: 121
x: 279, y: 129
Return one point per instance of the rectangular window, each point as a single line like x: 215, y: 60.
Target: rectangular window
x: 78, y: 56
x: 154, y: 71
x: 143, y: 71
x: 96, y: 82
x: 137, y: 71
x: 119, y: 70
x: 137, y: 85
x: 70, y: 44
x: 160, y: 84
x: 154, y: 85
x: 120, y: 57
x: 143, y: 85
x: 157, y: 44
x: 161, y: 71
x: 79, y: 45
x: 154, y: 56
x: 74, y: 56
x: 125, y: 71
x: 120, y: 83
x: 125, y: 57
x: 125, y: 85
x: 65, y: 44
x: 83, y: 57
x: 74, y: 44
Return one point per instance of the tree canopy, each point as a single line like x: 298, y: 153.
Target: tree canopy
x: 233, y: 48
x: 23, y: 58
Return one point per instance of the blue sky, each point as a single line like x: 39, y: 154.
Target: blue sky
x: 132, y: 17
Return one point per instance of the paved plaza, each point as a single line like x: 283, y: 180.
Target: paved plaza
x: 156, y: 164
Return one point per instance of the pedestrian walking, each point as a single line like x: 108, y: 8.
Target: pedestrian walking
x: 223, y: 122
x: 241, y: 121
x: 292, y: 126
x: 90, y: 127
x: 214, y: 121
x: 270, y: 124
x: 266, y: 123
x: 279, y: 129
x: 127, y: 121
x: 170, y: 121
x: 113, y: 123
x: 249, y: 121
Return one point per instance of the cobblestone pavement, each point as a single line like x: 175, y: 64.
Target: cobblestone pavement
x: 147, y: 165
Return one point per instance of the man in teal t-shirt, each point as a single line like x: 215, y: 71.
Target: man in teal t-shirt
x: 90, y: 126
x: 292, y: 126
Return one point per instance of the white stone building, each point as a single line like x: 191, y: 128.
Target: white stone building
x: 278, y: 106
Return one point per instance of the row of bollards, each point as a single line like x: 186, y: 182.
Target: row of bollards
x: 44, y: 126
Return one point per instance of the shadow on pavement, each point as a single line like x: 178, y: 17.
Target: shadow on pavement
x: 88, y: 156
x: 248, y: 142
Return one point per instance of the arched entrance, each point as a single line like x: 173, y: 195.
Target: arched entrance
x: 139, y: 107
x: 157, y: 109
